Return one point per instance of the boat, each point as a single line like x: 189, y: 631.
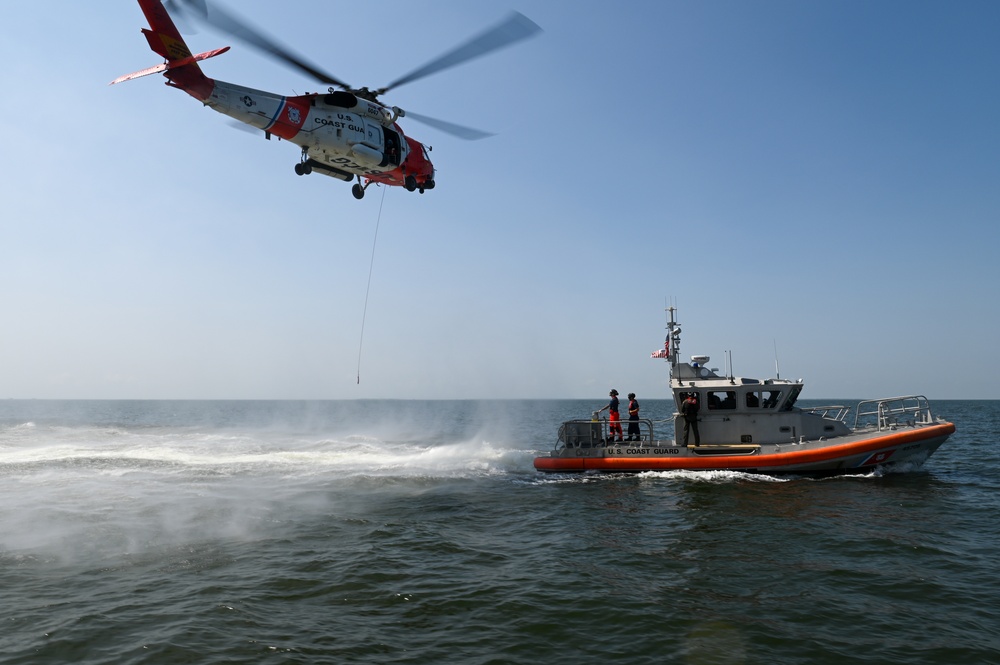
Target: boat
x: 754, y: 426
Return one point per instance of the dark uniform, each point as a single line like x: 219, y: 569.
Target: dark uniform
x: 690, y: 411
x: 633, y: 418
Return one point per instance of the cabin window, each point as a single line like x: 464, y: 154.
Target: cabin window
x: 753, y: 400
x: 791, y: 398
x: 771, y: 398
x: 720, y: 400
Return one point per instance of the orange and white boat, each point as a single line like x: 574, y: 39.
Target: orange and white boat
x: 754, y: 425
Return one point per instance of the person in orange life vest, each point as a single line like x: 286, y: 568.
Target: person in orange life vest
x: 615, y: 424
x: 633, y: 418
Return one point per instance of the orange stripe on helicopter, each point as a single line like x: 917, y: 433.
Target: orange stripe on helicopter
x: 291, y: 115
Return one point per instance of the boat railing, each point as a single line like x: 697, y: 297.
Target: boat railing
x: 596, y: 433
x: 893, y: 412
x: 831, y: 412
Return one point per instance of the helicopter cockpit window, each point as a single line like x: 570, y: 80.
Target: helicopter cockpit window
x: 721, y: 399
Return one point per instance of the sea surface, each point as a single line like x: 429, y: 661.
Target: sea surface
x: 418, y: 532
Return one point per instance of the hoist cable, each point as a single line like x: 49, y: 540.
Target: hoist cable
x: 368, y: 289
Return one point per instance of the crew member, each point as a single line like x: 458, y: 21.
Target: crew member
x: 689, y: 409
x: 633, y: 418
x: 615, y: 421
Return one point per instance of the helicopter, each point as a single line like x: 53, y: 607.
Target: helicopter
x: 346, y: 133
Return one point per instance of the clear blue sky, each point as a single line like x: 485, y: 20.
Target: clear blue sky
x: 820, y: 177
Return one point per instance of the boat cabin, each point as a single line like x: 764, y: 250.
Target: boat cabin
x: 745, y: 410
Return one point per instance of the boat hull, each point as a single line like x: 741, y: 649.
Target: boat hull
x: 905, y: 447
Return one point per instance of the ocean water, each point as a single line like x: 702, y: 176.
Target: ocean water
x: 418, y: 532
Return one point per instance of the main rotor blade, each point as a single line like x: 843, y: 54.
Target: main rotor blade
x: 227, y: 22
x: 181, y: 16
x: 514, y: 28
x: 467, y: 133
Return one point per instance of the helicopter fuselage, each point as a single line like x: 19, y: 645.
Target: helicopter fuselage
x: 341, y: 135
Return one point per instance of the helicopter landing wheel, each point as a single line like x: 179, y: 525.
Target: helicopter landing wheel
x: 410, y: 183
x: 358, y: 191
x: 302, y: 169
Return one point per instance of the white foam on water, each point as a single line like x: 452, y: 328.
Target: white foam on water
x: 86, y: 491
x: 718, y: 476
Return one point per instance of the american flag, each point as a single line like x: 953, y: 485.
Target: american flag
x: 664, y: 352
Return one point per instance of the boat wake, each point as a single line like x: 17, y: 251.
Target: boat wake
x: 78, y: 491
x: 120, y: 452
x: 714, y: 476
x: 720, y: 477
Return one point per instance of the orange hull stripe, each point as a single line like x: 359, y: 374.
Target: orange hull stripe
x: 791, y: 458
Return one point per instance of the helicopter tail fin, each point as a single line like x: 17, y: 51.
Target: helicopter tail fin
x: 181, y: 66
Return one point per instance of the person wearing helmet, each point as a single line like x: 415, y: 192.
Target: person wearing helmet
x: 615, y: 423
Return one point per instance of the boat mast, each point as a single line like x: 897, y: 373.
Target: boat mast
x: 673, y: 342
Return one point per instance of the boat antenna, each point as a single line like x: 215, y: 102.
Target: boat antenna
x: 777, y: 372
x: 732, y: 379
x: 673, y: 341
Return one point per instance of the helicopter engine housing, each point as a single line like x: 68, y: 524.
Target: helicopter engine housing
x: 367, y: 155
x: 370, y: 110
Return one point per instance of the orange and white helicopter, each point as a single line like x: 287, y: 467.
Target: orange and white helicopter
x: 344, y: 133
